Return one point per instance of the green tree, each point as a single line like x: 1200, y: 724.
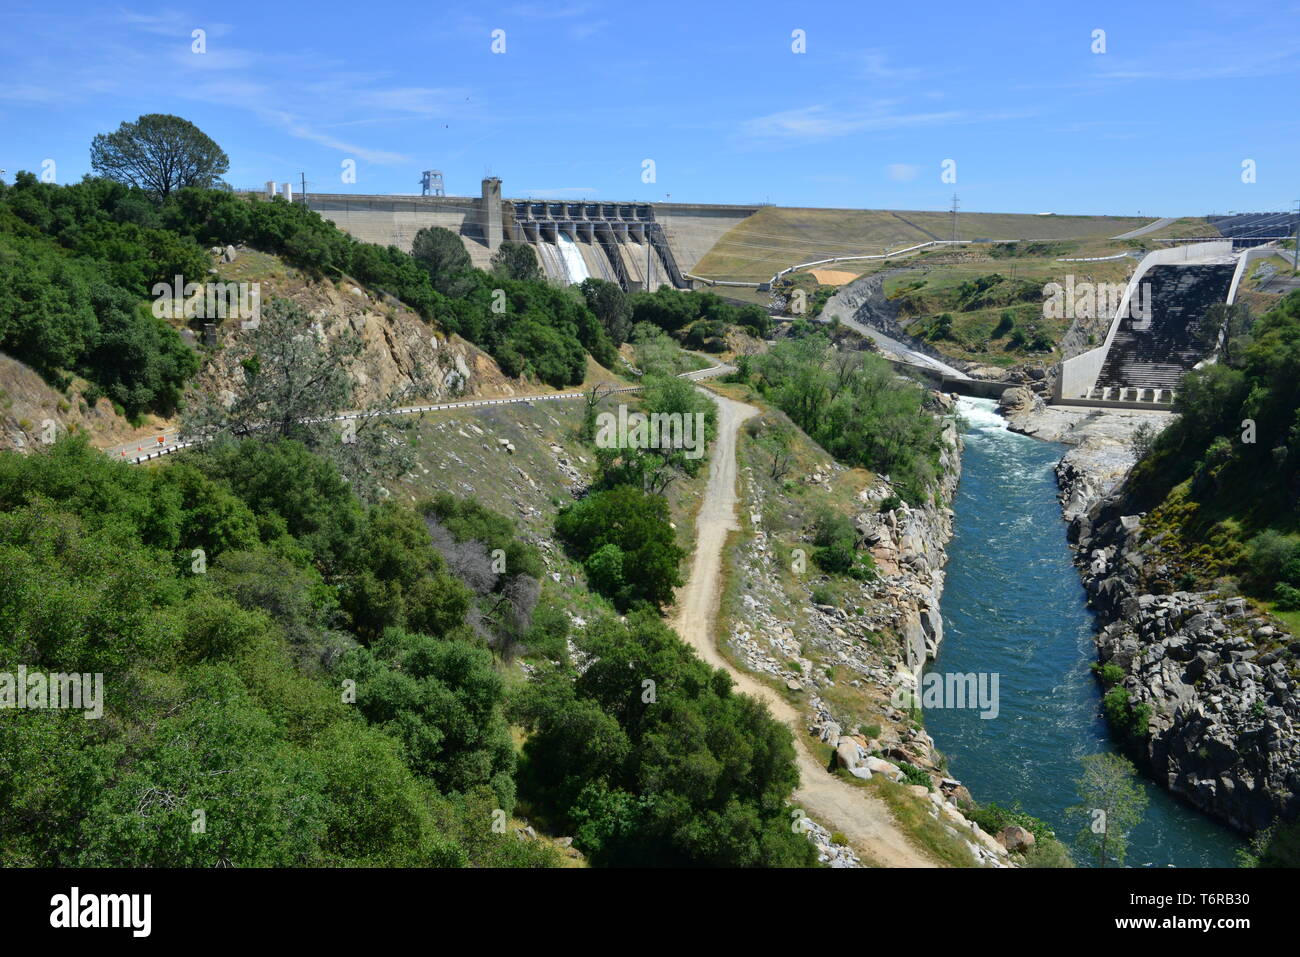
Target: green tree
x: 610, y: 304
x: 1111, y: 802
x: 857, y: 409
x: 443, y: 700
x: 514, y: 260
x: 443, y: 256
x: 159, y: 153
x: 653, y: 759
x: 637, y: 523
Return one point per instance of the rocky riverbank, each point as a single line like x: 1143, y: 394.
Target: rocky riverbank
x: 871, y: 645
x: 1211, y: 687
x: 1205, y: 692
x: 1100, y: 443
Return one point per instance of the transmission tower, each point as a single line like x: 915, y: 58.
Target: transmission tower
x: 955, y: 206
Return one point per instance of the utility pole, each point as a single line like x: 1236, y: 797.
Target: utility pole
x: 303, y: 177
x: 1295, y: 260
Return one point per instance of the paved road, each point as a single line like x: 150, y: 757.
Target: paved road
x: 857, y: 295
x: 1143, y: 230
x: 169, y: 441
x: 837, y: 805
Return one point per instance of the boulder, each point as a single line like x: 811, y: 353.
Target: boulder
x: 848, y: 754
x: 1018, y: 399
x: 1015, y: 838
x: 881, y: 766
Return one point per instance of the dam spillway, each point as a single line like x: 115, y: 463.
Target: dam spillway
x: 618, y: 242
x: 575, y: 267
x: 639, y: 245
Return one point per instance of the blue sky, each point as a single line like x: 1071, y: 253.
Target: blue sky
x: 1160, y: 123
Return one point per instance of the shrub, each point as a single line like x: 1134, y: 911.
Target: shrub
x: 636, y: 524
x: 889, y: 503
x: 1287, y: 597
x: 914, y: 775
x: 1267, y: 554
x: 1109, y: 673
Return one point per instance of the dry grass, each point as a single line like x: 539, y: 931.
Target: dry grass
x: 777, y: 237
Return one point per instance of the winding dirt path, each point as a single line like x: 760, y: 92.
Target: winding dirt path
x: 865, y: 820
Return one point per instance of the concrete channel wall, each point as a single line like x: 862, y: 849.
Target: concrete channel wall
x: 1078, y: 375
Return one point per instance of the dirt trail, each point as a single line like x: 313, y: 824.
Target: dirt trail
x: 865, y: 820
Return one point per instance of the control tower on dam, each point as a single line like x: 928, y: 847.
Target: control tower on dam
x: 639, y: 245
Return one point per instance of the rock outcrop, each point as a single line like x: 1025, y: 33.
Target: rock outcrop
x: 1213, y: 707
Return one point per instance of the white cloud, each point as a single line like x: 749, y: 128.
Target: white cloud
x: 902, y: 172
x: 821, y: 122
x: 294, y: 126
x: 808, y: 122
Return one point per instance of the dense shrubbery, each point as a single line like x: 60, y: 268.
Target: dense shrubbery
x: 623, y: 539
x: 651, y: 758
x: 78, y: 263
x: 1228, y: 468
x: 857, y: 409
x: 222, y: 671
x: 673, y: 310
x: 75, y: 268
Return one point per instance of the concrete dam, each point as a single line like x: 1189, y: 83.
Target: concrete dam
x: 638, y: 245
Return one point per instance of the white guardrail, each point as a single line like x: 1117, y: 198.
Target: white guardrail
x: 183, y: 444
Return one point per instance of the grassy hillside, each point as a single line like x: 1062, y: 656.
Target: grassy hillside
x: 992, y: 312
x: 777, y: 237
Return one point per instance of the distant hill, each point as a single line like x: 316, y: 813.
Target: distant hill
x: 777, y: 237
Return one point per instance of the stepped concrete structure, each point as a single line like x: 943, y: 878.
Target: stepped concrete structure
x: 1154, y: 353
x: 639, y: 245
x: 1148, y: 351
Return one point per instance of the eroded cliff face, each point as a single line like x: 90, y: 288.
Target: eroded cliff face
x: 32, y: 412
x: 1212, y: 687
x: 401, y: 353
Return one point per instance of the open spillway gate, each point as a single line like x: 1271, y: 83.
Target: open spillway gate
x: 620, y: 242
